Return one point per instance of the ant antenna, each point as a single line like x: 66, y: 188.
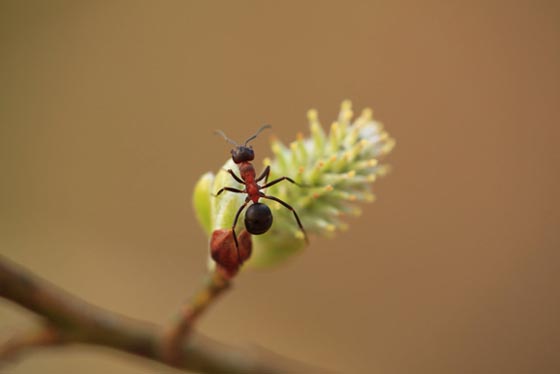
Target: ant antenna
x: 263, y: 127
x: 220, y: 132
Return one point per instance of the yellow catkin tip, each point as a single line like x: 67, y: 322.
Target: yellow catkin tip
x: 276, y: 147
x: 364, y: 142
x: 348, y: 115
x: 351, y: 174
x: 373, y: 162
x: 367, y: 113
x: 293, y: 145
x: 328, y: 188
x: 386, y: 148
x: 330, y: 227
x: 371, y: 178
x: 267, y: 161
x: 369, y: 198
x: 298, y: 234
x: 383, y: 170
x: 335, y: 126
x: 312, y: 114
x: 346, y: 105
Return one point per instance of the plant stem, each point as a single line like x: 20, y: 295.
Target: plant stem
x: 182, y: 326
x: 70, y: 320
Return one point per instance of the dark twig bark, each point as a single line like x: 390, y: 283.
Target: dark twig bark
x: 70, y: 320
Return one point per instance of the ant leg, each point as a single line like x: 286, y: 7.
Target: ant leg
x: 293, y: 211
x: 230, y: 189
x: 280, y: 180
x: 235, y: 176
x: 264, y: 175
x: 233, y: 227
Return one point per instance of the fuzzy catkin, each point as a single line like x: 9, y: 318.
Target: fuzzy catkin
x: 335, y: 171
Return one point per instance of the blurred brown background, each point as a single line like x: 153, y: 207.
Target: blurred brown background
x: 106, y: 118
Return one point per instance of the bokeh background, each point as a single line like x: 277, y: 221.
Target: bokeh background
x: 106, y: 118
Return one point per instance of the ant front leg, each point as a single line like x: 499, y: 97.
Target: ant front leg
x: 264, y: 175
x: 292, y: 210
x: 230, y: 189
x: 235, y: 176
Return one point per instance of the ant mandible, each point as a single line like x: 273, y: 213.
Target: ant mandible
x: 258, y: 217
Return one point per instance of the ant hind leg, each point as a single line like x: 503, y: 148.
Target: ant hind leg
x: 235, y: 224
x: 292, y: 210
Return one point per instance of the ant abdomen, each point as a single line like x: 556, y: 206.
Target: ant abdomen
x: 258, y: 218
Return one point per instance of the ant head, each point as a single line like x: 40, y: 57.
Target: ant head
x: 242, y: 153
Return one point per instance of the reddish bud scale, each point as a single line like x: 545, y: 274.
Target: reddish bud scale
x: 224, y: 252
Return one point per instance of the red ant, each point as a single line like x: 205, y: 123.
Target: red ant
x: 258, y: 217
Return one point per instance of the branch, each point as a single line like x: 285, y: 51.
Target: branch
x: 70, y: 320
x: 179, y: 329
x: 43, y: 337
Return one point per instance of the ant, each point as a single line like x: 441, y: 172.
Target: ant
x: 258, y: 217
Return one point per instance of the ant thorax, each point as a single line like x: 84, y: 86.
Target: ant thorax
x: 247, y: 171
